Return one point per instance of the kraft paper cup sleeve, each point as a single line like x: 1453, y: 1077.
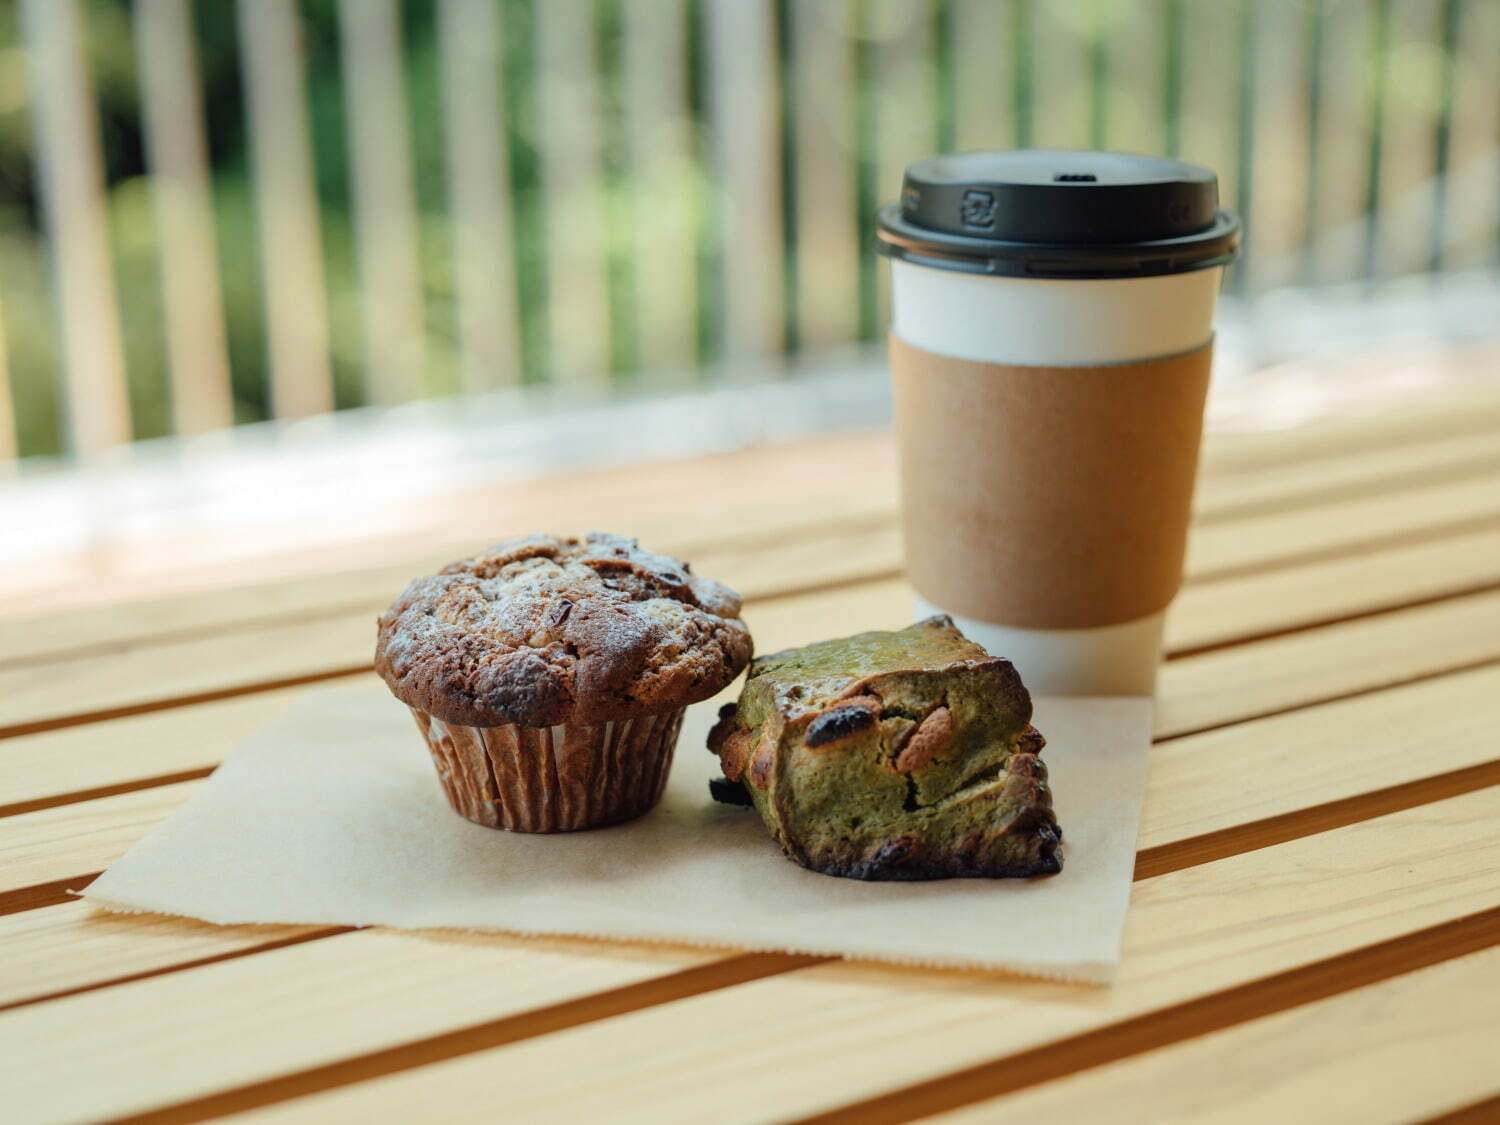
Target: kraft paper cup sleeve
x: 1047, y: 497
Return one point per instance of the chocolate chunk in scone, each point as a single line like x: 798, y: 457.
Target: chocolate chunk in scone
x: 906, y: 755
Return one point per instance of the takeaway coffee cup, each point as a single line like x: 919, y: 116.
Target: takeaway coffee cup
x: 1052, y: 327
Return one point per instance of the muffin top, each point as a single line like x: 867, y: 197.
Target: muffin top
x: 543, y: 630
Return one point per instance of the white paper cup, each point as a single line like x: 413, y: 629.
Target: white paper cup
x: 1044, y: 291
x: 1058, y: 323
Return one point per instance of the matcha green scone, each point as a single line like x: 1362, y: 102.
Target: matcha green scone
x: 906, y: 755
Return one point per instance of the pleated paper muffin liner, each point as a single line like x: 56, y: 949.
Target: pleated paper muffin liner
x: 553, y: 779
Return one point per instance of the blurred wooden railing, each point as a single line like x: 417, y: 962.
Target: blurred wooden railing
x: 699, y: 174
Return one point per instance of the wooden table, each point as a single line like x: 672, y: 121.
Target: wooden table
x: 1317, y: 907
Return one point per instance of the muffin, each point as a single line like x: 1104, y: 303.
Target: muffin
x: 906, y: 755
x: 549, y: 675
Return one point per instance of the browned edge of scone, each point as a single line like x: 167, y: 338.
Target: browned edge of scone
x: 1027, y: 843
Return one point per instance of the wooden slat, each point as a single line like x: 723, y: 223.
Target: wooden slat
x: 641, y: 497
x: 738, y: 486
x: 479, y: 193
x: 1276, y: 600
x: 1216, y: 613
x: 570, y: 151
x: 385, y: 205
x: 743, y: 114
x: 192, y: 667
x: 182, y: 201
x: 663, y: 183
x: 42, y: 847
x: 131, y: 752
x: 821, y: 92
x: 74, y: 205
x: 286, y: 210
x: 1222, y: 496
x: 299, y: 1006
x: 858, y: 547
x: 1190, y: 934
x: 1257, y: 541
x: 1207, y: 795
x: 1459, y: 401
x: 1398, y: 1051
x: 1240, y: 683
x: 73, y: 945
x: 739, y: 498
x: 1199, y: 691
x: 297, y: 646
x: 1262, y: 770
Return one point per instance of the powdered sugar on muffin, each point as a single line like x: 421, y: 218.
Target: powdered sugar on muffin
x: 546, y: 630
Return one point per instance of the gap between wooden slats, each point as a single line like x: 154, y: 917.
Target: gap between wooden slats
x: 1192, y: 957
x: 74, y: 206
x: 475, y: 119
x: 1397, y: 1050
x: 182, y: 201
x: 385, y: 207
x: 663, y: 184
x: 1483, y: 1112
x: 569, y: 145
x: 286, y: 210
x: 822, y: 116
x: 743, y: 116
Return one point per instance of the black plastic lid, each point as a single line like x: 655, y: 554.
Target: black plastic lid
x: 1054, y: 213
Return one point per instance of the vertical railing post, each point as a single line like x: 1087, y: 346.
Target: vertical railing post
x: 182, y: 200
x: 9, y: 438
x: 1171, y: 81
x: 827, y: 229
x: 662, y: 182
x: 1023, y: 92
x: 1312, y: 196
x: 572, y: 186
x: 747, y: 159
x: 1375, y: 148
x: 1244, y: 160
x: 479, y: 194
x: 75, y: 210
x: 983, y: 78
x: 287, y: 209
x: 385, y: 208
x: 1442, y: 137
x: 1098, y: 34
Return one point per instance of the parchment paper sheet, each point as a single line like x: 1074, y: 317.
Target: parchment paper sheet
x: 332, y: 815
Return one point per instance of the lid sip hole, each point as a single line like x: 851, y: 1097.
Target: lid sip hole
x: 1075, y: 178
